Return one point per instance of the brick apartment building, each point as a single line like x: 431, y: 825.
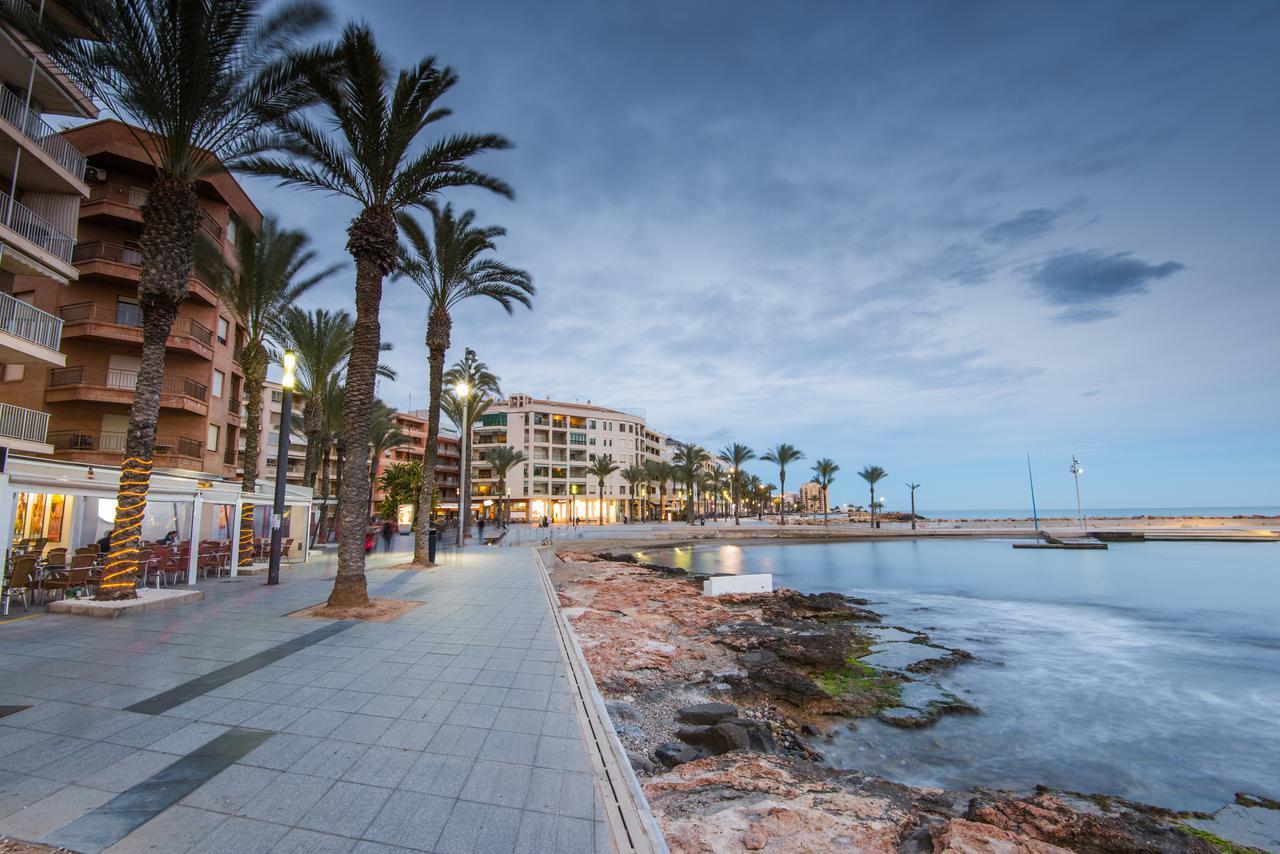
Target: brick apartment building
x: 448, y: 458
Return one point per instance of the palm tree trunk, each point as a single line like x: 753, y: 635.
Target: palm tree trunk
x: 254, y: 363
x: 372, y: 241
x: 873, y: 505
x: 324, y: 492
x: 782, y: 491
x: 311, y: 416
x: 169, y: 224
x: 439, y: 329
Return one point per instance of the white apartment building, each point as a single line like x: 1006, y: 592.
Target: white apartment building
x: 560, y: 440
x: 269, y: 439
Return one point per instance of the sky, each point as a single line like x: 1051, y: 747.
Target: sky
x: 933, y: 237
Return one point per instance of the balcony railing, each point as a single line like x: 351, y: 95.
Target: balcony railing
x: 127, y: 380
x: 134, y: 197
x: 19, y: 423
x: 29, y: 323
x: 210, y: 225
x: 77, y: 440
x: 129, y: 314
x: 36, y: 129
x: 200, y: 332
x: 96, y: 250
x: 35, y: 228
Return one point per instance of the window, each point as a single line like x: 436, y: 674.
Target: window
x: 127, y: 312
x: 577, y: 438
x: 215, y: 433
x: 231, y: 231
x: 592, y: 425
x: 494, y: 419
x: 224, y: 330
x: 13, y: 373
x: 219, y: 378
x: 277, y: 396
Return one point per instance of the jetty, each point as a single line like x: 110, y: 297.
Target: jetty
x: 1049, y: 541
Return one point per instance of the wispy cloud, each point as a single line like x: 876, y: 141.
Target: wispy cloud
x: 1077, y: 277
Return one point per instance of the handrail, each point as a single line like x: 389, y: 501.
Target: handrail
x: 85, y: 440
x: 36, y: 129
x: 17, y: 422
x: 88, y: 250
x: 117, y: 378
x: 35, y: 228
x: 29, y: 323
x: 129, y: 314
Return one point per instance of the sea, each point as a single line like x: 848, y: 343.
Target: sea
x: 1096, y: 512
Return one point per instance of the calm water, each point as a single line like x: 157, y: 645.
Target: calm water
x: 1150, y: 671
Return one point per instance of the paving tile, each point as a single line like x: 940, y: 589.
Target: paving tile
x: 131, y: 770
x: 329, y: 759
x: 287, y: 799
x: 410, y: 820
x: 148, y: 732
x: 520, y: 720
x: 347, y: 808
x: 521, y: 698
x: 474, y: 828
x: 436, y: 774
x: 537, y: 832
x: 457, y: 740
x: 241, y: 835
x: 299, y: 841
x: 84, y: 763
x: 515, y: 747
x: 317, y: 722
x: 365, y: 729
x: 232, y: 789
x: 174, y: 831
x: 573, y: 834
x: 344, y: 701
x: 429, y: 709
x: 498, y: 783
x: 234, y: 712
x: 411, y: 735
x: 183, y: 741
x: 473, y: 714
x: 274, y: 717
x: 381, y: 766
x: 578, y: 795
x: 545, y: 786
x: 51, y: 812
x: 386, y: 705
x: 280, y: 751
x: 47, y: 752
x: 198, y: 708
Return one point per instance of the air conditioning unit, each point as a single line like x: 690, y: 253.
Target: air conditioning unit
x: 95, y: 174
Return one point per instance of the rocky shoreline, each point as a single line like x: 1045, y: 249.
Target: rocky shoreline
x: 722, y: 705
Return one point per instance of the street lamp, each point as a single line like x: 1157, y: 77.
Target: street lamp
x: 462, y: 391
x: 1077, y: 470
x: 288, y: 361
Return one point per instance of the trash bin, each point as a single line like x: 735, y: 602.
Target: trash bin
x: 431, y: 545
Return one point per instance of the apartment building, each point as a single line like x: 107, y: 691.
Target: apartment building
x: 810, y: 497
x: 269, y: 438
x: 88, y: 398
x: 42, y: 184
x: 560, y: 440
x: 448, y: 458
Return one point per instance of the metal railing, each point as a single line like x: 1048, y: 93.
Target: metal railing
x: 93, y: 250
x: 35, y: 228
x: 116, y: 378
x: 17, y: 422
x: 134, y: 197
x: 210, y: 225
x: 77, y: 440
x: 130, y: 314
x: 36, y: 129
x: 201, y: 333
x: 29, y: 323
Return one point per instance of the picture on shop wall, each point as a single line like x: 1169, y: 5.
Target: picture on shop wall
x: 37, y: 516
x: 56, y: 509
x: 20, y: 518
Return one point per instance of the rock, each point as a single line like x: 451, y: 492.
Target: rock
x: 631, y: 731
x: 754, y: 839
x: 706, y: 713
x: 1048, y: 819
x: 725, y: 737
x: 621, y: 711
x: 812, y: 649
x: 692, y: 734
x: 728, y: 735
x: 959, y: 836
x: 787, y: 684
x: 640, y: 763
x: 759, y: 737
x: 673, y: 753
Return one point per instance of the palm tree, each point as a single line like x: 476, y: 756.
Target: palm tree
x: 270, y: 280
x: 503, y: 460
x: 601, y: 468
x: 913, y: 487
x: 690, y: 460
x: 362, y: 149
x: 195, y: 82
x: 400, y: 483
x: 635, y: 476
x: 479, y: 386
x: 783, y: 455
x: 736, y: 455
x: 328, y: 431
x: 872, y: 475
x: 662, y: 473
x: 717, y: 481
x: 450, y: 265
x: 824, y: 474
x: 321, y: 341
x: 383, y: 436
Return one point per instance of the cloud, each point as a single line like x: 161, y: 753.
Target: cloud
x: 1024, y: 226
x: 1082, y: 277
x: 1083, y: 315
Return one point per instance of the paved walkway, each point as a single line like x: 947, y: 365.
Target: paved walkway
x: 450, y: 729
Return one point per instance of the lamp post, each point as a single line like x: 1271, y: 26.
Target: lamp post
x: 1077, y: 470
x: 289, y: 361
x: 462, y: 391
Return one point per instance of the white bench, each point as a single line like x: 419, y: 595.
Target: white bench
x: 718, y: 585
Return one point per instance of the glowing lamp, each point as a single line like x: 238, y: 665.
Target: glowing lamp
x: 290, y: 361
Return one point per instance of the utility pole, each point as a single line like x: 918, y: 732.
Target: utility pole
x: 1077, y: 470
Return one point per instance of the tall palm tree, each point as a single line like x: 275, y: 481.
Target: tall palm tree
x: 717, y: 483
x: 913, y: 487
x: 635, y: 476
x: 270, y: 279
x: 328, y: 431
x: 195, y: 82
x: 451, y: 265
x: 383, y: 436
x: 736, y: 456
x: 824, y: 474
x: 690, y: 460
x: 364, y: 149
x: 503, y: 460
x: 481, y: 388
x: 873, y: 475
x: 662, y: 474
x: 601, y: 467
x: 783, y: 455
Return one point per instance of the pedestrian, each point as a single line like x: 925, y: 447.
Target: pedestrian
x: 480, y: 530
x: 388, y: 532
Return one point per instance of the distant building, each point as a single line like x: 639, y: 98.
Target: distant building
x: 811, y: 497
x: 560, y: 440
x: 448, y: 459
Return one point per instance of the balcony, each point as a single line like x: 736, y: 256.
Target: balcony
x: 51, y: 150
x: 28, y: 335
x: 115, y: 201
x: 117, y: 387
x: 123, y: 264
x: 23, y: 429
x: 91, y: 321
x: 35, y: 246
x: 107, y: 448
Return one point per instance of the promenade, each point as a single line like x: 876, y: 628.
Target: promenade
x: 225, y: 726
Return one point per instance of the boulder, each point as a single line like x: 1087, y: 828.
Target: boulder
x: 786, y: 684
x: 759, y: 737
x: 621, y: 711
x: 673, y: 753
x: 733, y: 734
x: 706, y: 713
x: 640, y: 763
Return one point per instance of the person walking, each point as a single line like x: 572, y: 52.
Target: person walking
x: 480, y: 530
x: 388, y: 533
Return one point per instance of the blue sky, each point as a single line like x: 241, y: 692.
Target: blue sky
x: 928, y: 236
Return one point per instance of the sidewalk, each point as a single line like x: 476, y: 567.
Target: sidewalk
x: 224, y: 726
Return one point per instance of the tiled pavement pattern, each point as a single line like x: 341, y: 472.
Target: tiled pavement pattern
x: 450, y: 729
